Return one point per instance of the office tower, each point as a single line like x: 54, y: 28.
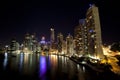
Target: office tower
x: 14, y: 46
x: 52, y: 36
x: 43, y: 44
x: 27, y: 41
x: 69, y: 44
x: 33, y: 42
x: 30, y: 42
x: 94, y: 32
x: 64, y: 47
x: 52, y: 39
x: 60, y: 42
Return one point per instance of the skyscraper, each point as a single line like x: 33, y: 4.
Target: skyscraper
x: 80, y: 34
x: 52, y: 36
x: 53, y: 45
x: 30, y: 42
x: 94, y: 32
x: 14, y: 45
x: 52, y: 39
x: 88, y: 34
x: 60, y: 42
x: 69, y: 45
x: 27, y: 41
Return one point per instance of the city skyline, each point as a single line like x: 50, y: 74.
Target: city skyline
x: 19, y: 18
x: 66, y: 40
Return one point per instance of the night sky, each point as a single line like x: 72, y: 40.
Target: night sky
x: 19, y: 17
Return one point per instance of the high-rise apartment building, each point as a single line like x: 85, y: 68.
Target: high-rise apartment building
x: 80, y: 35
x: 94, y: 32
x: 88, y: 34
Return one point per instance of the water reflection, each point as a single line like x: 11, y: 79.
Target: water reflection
x: 21, y: 61
x: 26, y: 64
x: 83, y: 68
x: 5, y: 60
x: 53, y: 59
x: 50, y: 67
x: 42, y: 67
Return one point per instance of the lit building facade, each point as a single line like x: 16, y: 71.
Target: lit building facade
x: 94, y: 32
x: 30, y: 42
x: 44, y: 44
x: 88, y: 35
x: 52, y: 36
x: 52, y: 39
x: 64, y: 47
x: 14, y: 45
x: 69, y: 45
x: 53, y: 44
x: 34, y: 43
x: 60, y: 42
x: 80, y: 35
x: 27, y: 42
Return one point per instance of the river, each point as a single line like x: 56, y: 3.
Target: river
x: 47, y: 67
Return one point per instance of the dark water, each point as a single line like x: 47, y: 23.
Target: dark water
x: 50, y: 67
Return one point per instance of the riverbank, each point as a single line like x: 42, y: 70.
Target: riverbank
x: 94, y: 66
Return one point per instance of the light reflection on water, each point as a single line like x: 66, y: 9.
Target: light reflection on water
x: 53, y: 59
x: 21, y: 61
x: 5, y: 61
x: 50, y: 67
x: 42, y: 66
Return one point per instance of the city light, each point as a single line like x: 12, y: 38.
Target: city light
x: 108, y: 52
x: 111, y: 59
x: 42, y: 67
x: 84, y: 48
x: 27, y: 51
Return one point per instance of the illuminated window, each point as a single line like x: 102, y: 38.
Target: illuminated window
x: 90, y: 17
x: 92, y: 36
